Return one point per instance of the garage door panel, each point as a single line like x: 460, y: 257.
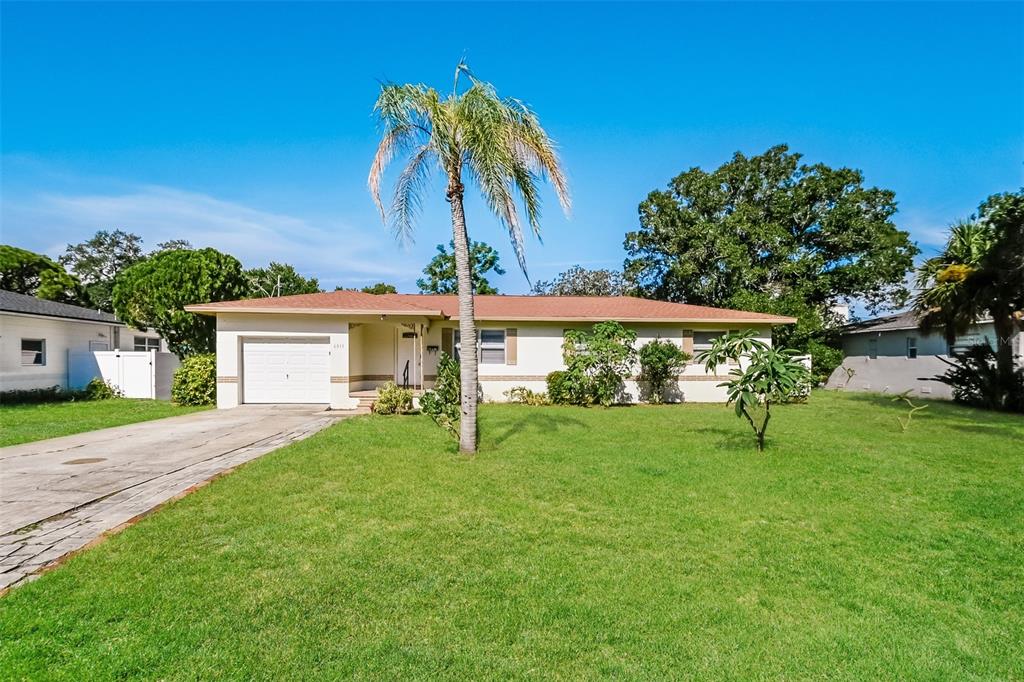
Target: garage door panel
x: 286, y: 370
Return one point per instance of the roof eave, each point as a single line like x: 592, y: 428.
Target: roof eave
x: 671, y: 320
x: 203, y: 309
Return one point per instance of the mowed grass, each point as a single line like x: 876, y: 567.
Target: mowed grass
x: 27, y: 423
x: 642, y: 542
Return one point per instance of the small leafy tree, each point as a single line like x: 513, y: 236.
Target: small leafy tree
x: 660, y: 361
x: 579, y: 281
x: 597, y: 362
x: 772, y: 375
x: 279, y: 279
x: 442, y: 402
x: 154, y: 293
x: 440, y: 271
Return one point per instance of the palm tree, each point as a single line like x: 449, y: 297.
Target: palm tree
x: 979, y: 272
x: 473, y: 134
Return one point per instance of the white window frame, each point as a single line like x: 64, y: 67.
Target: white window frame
x: 41, y: 353
x: 149, y: 342
x: 491, y: 345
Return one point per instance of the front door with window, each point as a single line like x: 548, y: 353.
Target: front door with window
x: 407, y: 371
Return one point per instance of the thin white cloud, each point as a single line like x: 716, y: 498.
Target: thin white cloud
x: 336, y: 253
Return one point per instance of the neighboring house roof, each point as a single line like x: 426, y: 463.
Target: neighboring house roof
x: 904, y: 320
x: 538, y: 308
x: 30, y: 305
x: 908, y: 319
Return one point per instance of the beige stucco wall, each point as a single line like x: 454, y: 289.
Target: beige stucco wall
x: 61, y: 336
x: 372, y: 361
x: 540, y: 353
x: 363, y: 353
x: 233, y: 328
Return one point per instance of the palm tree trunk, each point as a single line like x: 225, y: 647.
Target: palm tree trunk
x: 1004, y: 328
x: 468, y: 358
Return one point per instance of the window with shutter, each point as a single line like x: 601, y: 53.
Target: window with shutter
x: 492, y: 346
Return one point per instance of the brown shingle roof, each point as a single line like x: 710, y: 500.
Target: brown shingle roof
x: 539, y: 308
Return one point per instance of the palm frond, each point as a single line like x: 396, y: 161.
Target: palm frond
x: 409, y: 192
x: 498, y: 142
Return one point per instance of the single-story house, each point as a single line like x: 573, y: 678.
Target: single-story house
x: 37, y: 336
x: 335, y: 347
x: 890, y: 354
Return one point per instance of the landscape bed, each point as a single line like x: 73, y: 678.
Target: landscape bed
x: 641, y: 542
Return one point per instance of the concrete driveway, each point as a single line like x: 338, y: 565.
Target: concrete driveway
x: 58, y: 495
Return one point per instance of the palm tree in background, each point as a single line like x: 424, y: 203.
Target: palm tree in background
x: 474, y: 134
x: 979, y: 273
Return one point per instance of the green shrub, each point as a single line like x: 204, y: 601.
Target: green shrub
x: 444, y: 402
x: 557, y: 389
x: 824, y: 360
x: 660, y: 363
x: 597, y: 363
x: 975, y: 381
x: 98, y: 389
x: 524, y: 396
x: 195, y: 382
x: 392, y: 399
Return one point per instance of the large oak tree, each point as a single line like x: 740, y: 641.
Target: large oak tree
x: 770, y: 225
x: 771, y: 234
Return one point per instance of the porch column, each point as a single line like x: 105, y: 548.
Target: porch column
x: 339, y: 370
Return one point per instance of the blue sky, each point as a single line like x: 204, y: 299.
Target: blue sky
x: 248, y: 127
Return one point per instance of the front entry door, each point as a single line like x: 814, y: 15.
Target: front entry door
x: 407, y: 372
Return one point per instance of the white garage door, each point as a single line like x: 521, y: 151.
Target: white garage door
x: 285, y: 370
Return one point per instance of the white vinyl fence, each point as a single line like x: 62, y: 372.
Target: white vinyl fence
x: 139, y: 374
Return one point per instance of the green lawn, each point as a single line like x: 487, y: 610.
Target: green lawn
x: 26, y: 423
x: 643, y: 542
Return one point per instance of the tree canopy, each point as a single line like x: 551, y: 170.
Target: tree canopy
x: 579, y: 281
x: 771, y: 225
x: 980, y: 272
x: 279, y: 279
x: 33, y: 274
x: 380, y: 288
x: 154, y: 292
x: 441, y: 276
x: 97, y: 261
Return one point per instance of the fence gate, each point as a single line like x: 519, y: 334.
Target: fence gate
x: 139, y: 374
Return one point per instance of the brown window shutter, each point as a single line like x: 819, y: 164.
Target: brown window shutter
x: 447, y: 345
x: 688, y: 341
x: 511, y: 346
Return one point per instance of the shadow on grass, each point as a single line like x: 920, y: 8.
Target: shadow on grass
x: 990, y: 429
x: 732, y: 439
x: 538, y: 420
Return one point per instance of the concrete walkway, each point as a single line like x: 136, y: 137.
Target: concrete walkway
x: 59, y: 495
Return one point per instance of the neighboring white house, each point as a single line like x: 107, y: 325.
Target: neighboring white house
x: 890, y: 355
x: 324, y: 348
x: 37, y: 336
